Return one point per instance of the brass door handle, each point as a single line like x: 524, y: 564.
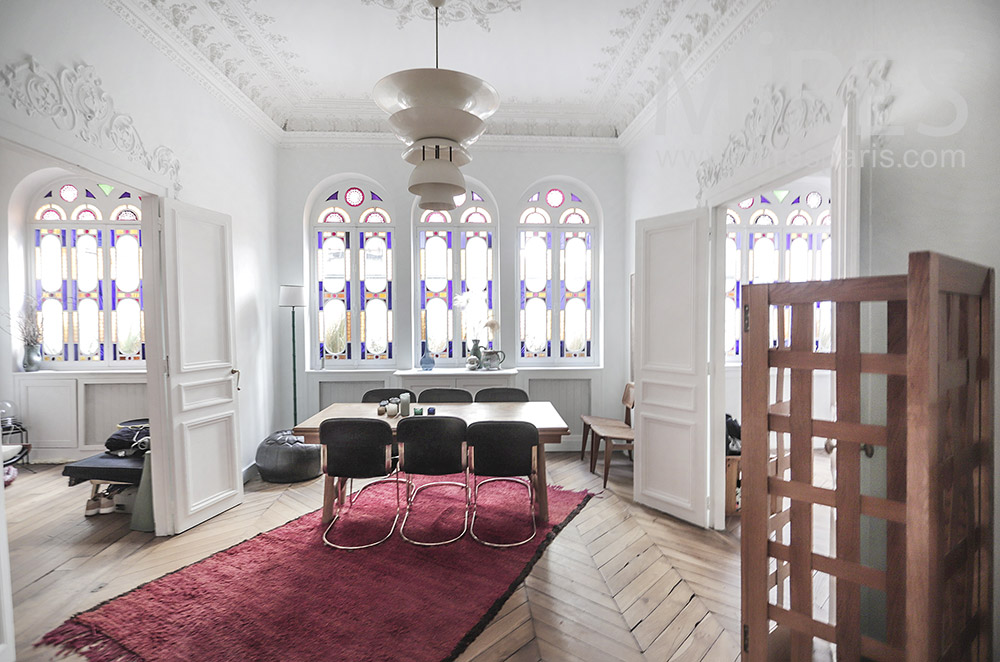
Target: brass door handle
x: 236, y: 372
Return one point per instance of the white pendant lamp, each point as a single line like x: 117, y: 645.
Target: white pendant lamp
x: 438, y: 113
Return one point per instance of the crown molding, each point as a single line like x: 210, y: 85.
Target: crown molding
x: 503, y: 143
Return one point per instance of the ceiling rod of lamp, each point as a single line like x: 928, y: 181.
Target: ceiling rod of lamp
x: 438, y: 113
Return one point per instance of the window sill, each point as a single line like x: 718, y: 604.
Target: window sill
x: 44, y: 373
x: 453, y: 372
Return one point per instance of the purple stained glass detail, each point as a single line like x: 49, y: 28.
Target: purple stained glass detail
x: 48, y: 195
x: 375, y: 196
x: 764, y: 201
x: 572, y: 196
x: 535, y: 197
x: 477, y: 197
x: 796, y: 200
x: 89, y: 194
x: 333, y: 197
x: 126, y: 194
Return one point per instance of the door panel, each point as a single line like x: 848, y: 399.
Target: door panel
x: 191, y: 366
x: 672, y: 365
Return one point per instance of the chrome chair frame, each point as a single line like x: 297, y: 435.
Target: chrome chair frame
x: 510, y: 479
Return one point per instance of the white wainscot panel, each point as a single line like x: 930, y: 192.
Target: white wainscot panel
x: 676, y: 396
x: 670, y: 336
x: 570, y: 397
x: 209, y: 455
x: 105, y: 405
x: 667, y: 460
x: 199, y: 285
x: 48, y: 410
x: 330, y: 392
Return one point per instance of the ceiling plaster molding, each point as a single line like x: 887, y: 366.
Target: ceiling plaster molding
x: 454, y: 11
x: 497, y: 143
x: 778, y: 120
x: 724, y: 35
x: 193, y: 63
x: 73, y: 99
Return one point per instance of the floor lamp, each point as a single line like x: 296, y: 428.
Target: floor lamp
x: 293, y: 296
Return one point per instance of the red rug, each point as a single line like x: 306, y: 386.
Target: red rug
x: 284, y: 596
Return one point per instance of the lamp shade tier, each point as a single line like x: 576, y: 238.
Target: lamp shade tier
x: 430, y: 202
x: 293, y: 296
x: 413, y: 124
x: 415, y: 88
x: 436, y: 148
x: 437, y: 179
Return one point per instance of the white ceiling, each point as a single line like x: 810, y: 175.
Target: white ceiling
x: 582, y: 68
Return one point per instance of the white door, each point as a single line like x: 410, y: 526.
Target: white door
x: 6, y: 591
x: 672, y: 306
x: 191, y: 364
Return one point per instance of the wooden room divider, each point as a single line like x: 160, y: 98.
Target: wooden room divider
x: 938, y: 446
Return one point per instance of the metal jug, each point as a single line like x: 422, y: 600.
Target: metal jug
x: 492, y: 358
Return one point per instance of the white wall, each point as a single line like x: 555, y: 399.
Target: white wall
x: 226, y: 164
x: 945, y: 67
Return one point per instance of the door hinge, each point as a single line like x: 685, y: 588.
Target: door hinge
x: 746, y: 638
x: 166, y: 365
x: 708, y: 503
x: 746, y: 318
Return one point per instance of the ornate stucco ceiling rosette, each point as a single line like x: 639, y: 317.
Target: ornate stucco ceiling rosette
x: 455, y: 11
x: 73, y: 99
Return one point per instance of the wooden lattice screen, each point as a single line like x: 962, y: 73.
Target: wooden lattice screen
x: 938, y: 445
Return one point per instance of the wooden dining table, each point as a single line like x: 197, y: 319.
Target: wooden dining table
x: 551, y: 427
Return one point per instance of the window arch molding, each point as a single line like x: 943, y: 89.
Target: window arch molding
x: 559, y: 273
x: 351, y: 227
x: 456, y: 276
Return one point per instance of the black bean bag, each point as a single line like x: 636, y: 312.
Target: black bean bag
x: 282, y: 458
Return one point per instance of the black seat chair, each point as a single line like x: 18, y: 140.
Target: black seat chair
x: 355, y: 448
x: 503, y: 451
x: 432, y: 446
x: 380, y: 394
x: 501, y: 394
x: 445, y: 395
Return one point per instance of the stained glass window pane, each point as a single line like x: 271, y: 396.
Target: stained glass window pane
x: 798, y: 259
x: 68, y: 193
x: 732, y: 262
x: 129, y: 332
x: 575, y: 319
x: 732, y: 325
x: 475, y: 315
x: 52, y: 327
x: 732, y: 218
x: 436, y: 263
x: 376, y: 326
x: 335, y: 326
x: 435, y: 217
x: 375, y: 215
x: 824, y: 219
x: 826, y: 259
x: 535, y: 264
x: 746, y: 204
x: 50, y: 215
x: 127, y: 263
x: 88, y: 325
x: 334, y: 215
x: 554, y: 197
x: 476, y: 215
x: 574, y: 217
x: 764, y: 257
x: 534, y: 216
x: 354, y: 196
x: 334, y: 265
x: 576, y: 265
x: 764, y: 217
x: 535, y: 327
x: 437, y: 325
x: 87, y: 265
x: 375, y: 264
x: 799, y: 218
x: 476, y: 264
x: 814, y: 199
x: 50, y: 263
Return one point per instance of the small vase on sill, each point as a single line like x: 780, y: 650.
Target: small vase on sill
x: 427, y: 361
x: 476, y: 351
x: 32, y: 358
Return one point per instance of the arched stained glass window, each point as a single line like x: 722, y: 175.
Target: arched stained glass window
x: 557, y: 258
x: 88, y: 274
x: 456, y: 287
x: 353, y: 271
x: 774, y: 237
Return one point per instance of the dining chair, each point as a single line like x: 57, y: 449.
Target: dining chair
x: 628, y: 401
x: 501, y: 394
x: 380, y: 394
x: 432, y: 446
x: 616, y: 437
x: 444, y: 395
x: 505, y: 452
x: 355, y: 448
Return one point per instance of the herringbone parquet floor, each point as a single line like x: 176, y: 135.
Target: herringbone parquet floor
x: 620, y: 583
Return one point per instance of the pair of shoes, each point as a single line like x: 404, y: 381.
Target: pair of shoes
x: 93, y: 507
x: 107, y: 505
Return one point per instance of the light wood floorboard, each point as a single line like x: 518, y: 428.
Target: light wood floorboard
x: 621, y: 582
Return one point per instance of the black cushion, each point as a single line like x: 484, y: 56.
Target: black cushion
x: 356, y: 447
x: 501, y: 394
x: 283, y: 458
x: 502, y: 448
x: 380, y: 394
x: 105, y: 467
x: 431, y: 445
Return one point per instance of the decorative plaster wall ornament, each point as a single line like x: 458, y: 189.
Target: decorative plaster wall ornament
x: 456, y: 11
x: 867, y: 80
x: 776, y: 118
x: 74, y: 100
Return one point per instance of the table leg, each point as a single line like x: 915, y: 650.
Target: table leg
x: 541, y: 486
x: 330, y: 490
